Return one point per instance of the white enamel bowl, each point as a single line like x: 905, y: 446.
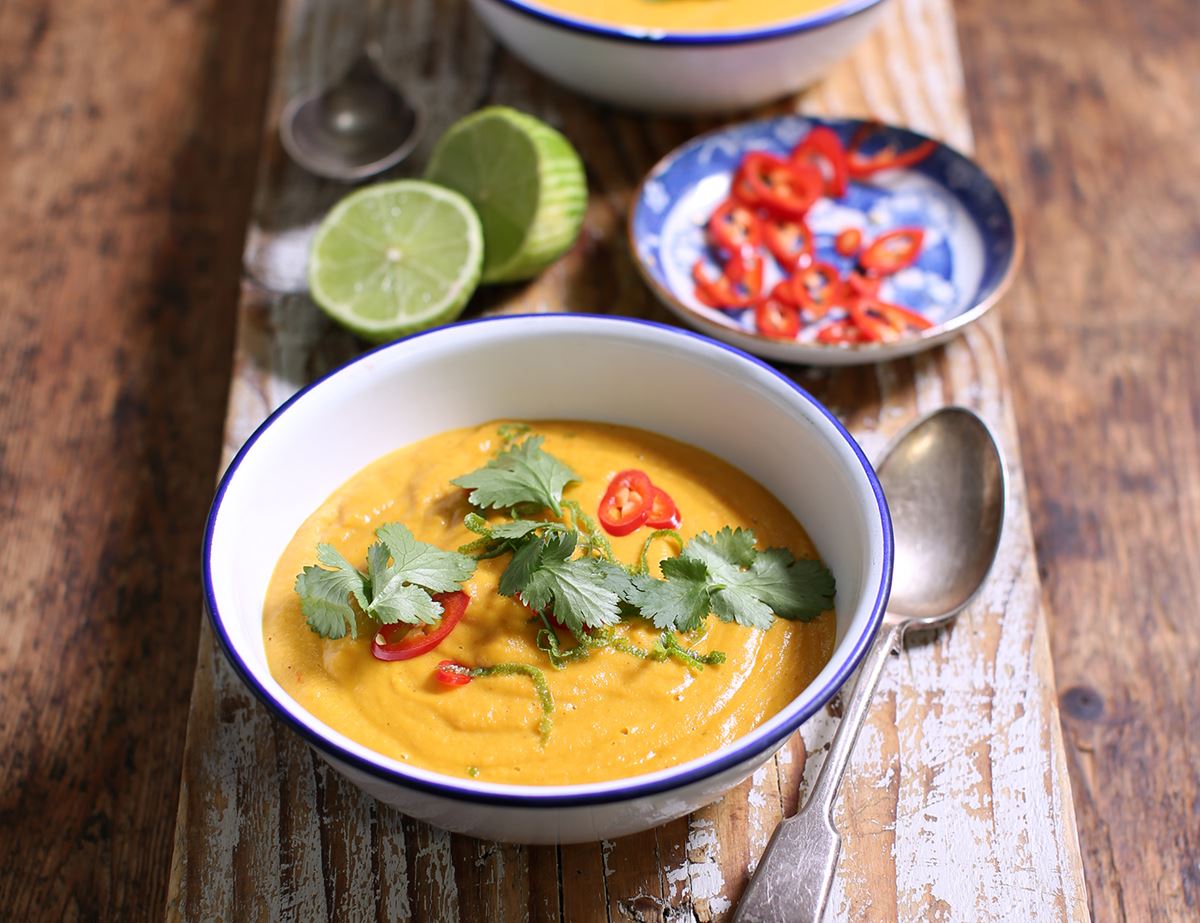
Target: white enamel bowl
x: 620, y: 371
x: 659, y: 71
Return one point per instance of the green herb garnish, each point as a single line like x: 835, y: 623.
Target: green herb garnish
x: 689, y: 657
x: 681, y: 600
x: 325, y: 594
x: 570, y: 570
x: 498, y: 538
x: 592, y: 540
x: 545, y: 697
x: 725, y: 574
x: 582, y: 592
x: 520, y: 474
x: 402, y: 574
x: 511, y: 432
x: 643, y: 559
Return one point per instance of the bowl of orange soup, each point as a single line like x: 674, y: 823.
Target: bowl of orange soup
x: 551, y: 578
x: 680, y: 56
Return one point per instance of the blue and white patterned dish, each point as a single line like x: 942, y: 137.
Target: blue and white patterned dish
x: 967, y: 260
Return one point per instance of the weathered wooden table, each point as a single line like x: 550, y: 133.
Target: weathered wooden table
x: 127, y: 149
x: 958, y: 805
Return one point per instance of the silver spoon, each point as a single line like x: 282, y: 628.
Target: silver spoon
x: 354, y: 128
x: 945, y: 483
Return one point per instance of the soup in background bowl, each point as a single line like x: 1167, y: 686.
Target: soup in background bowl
x: 680, y: 56
x: 711, y: 16
x: 549, y: 367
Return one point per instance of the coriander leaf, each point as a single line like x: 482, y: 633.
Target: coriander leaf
x: 522, y: 473
x: 749, y: 586
x: 725, y: 554
x: 404, y: 572
x: 325, y: 594
x: 525, y: 560
x: 728, y: 547
x: 582, y: 592
x: 741, y: 605
x: 420, y: 563
x: 681, y: 600
x: 795, y: 589
x: 331, y: 557
x: 392, y: 599
x: 614, y: 577
x: 579, y: 599
x: 405, y: 602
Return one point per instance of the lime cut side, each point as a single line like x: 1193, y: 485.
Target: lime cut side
x: 395, y: 258
x: 526, y: 182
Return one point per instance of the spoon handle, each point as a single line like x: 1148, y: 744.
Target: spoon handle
x: 793, y: 878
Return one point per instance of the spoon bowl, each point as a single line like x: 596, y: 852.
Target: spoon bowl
x: 945, y: 485
x: 352, y: 129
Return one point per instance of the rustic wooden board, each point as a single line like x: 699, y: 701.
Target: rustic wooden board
x: 957, y: 806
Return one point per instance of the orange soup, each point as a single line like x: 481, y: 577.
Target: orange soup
x: 687, y: 15
x: 626, y: 696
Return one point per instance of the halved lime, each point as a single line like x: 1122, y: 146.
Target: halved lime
x: 395, y: 258
x: 524, y: 179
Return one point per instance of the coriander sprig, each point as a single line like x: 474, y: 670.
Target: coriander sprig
x: 521, y: 474
x: 725, y: 574
x: 402, y: 576
x: 540, y: 687
x: 582, y: 592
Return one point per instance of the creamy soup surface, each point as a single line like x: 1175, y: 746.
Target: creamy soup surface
x: 687, y: 15
x: 614, y: 715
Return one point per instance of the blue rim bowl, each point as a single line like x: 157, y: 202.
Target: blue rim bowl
x: 643, y: 335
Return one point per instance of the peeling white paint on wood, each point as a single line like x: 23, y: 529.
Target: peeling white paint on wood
x: 705, y: 875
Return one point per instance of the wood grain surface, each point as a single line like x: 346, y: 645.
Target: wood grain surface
x: 1089, y: 112
x: 127, y: 149
x: 122, y: 209
x: 963, y: 748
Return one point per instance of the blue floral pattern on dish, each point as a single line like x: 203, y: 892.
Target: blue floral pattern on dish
x: 969, y: 235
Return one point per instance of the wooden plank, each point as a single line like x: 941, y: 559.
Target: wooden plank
x: 1114, y: 238
x: 957, y: 805
x: 121, y: 217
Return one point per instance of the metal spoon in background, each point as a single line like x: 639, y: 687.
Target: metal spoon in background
x: 354, y: 128
x: 945, y: 483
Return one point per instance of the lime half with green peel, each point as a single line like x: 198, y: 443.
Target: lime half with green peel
x: 525, y: 181
x: 395, y: 258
